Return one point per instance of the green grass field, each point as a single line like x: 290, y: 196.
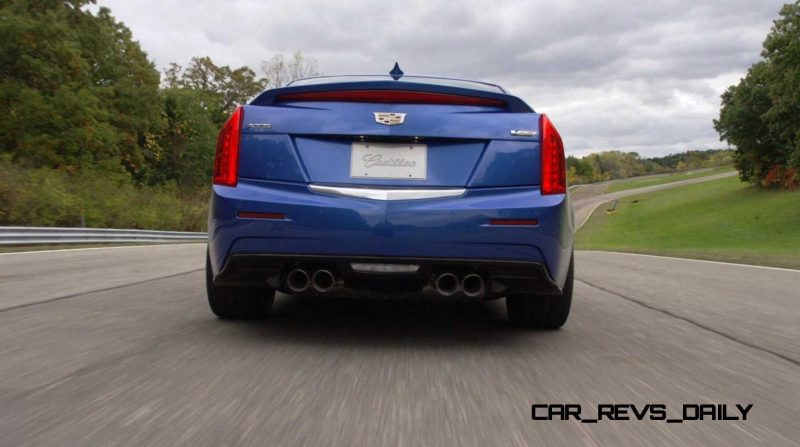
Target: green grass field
x: 621, y: 185
x: 723, y: 220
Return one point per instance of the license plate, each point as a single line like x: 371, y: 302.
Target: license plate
x: 389, y: 161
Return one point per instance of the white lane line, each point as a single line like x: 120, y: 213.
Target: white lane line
x: 692, y: 260
x: 98, y: 248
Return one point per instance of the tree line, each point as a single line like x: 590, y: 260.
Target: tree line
x: 760, y: 115
x: 610, y: 165
x: 91, y: 132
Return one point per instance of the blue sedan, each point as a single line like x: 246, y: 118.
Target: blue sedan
x: 394, y: 186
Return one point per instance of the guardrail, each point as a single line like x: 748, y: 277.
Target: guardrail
x: 51, y: 235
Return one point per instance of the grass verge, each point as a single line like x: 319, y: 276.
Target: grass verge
x: 721, y: 220
x: 621, y: 185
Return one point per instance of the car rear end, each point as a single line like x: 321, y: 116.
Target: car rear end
x: 385, y: 188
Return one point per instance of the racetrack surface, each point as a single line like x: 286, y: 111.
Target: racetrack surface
x: 116, y: 346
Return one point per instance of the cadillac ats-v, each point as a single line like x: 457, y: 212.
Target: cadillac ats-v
x: 395, y: 187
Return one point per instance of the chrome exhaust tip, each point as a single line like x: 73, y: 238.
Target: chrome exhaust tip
x: 446, y: 284
x: 323, y: 281
x: 472, y: 285
x: 297, y: 280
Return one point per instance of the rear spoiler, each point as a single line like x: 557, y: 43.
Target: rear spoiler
x: 391, y: 92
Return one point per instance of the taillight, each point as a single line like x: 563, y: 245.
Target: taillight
x: 554, y: 167
x: 226, y: 159
x: 392, y: 96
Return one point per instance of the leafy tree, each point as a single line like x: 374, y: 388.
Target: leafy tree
x: 196, y: 102
x: 226, y: 87
x: 187, y: 142
x: 223, y: 87
x: 760, y: 116
x: 74, y: 87
x: 742, y: 123
x: 88, y: 132
x: 782, y: 53
x: 582, y: 171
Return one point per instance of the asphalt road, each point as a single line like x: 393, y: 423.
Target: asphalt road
x: 92, y: 356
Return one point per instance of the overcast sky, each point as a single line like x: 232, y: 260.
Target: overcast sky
x: 640, y: 76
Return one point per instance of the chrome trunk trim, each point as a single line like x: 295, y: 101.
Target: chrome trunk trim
x: 388, y: 193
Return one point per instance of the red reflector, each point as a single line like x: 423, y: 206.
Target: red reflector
x: 258, y: 215
x: 554, y: 167
x: 528, y: 222
x: 226, y: 158
x: 392, y: 96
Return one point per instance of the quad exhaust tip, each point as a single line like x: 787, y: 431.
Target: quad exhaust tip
x: 298, y: 280
x: 472, y: 285
x: 323, y: 281
x: 446, y: 284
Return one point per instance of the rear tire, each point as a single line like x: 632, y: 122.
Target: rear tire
x: 542, y: 311
x: 237, y: 303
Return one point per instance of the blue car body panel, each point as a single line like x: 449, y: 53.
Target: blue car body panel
x: 458, y: 137
x: 469, y: 147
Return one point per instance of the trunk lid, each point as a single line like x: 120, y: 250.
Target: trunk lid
x: 327, y: 142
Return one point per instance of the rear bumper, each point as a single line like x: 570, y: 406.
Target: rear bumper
x: 501, y: 277
x: 450, y: 232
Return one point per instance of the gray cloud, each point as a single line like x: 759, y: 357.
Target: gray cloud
x: 637, y: 76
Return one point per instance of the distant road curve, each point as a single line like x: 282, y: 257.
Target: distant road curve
x: 584, y: 207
